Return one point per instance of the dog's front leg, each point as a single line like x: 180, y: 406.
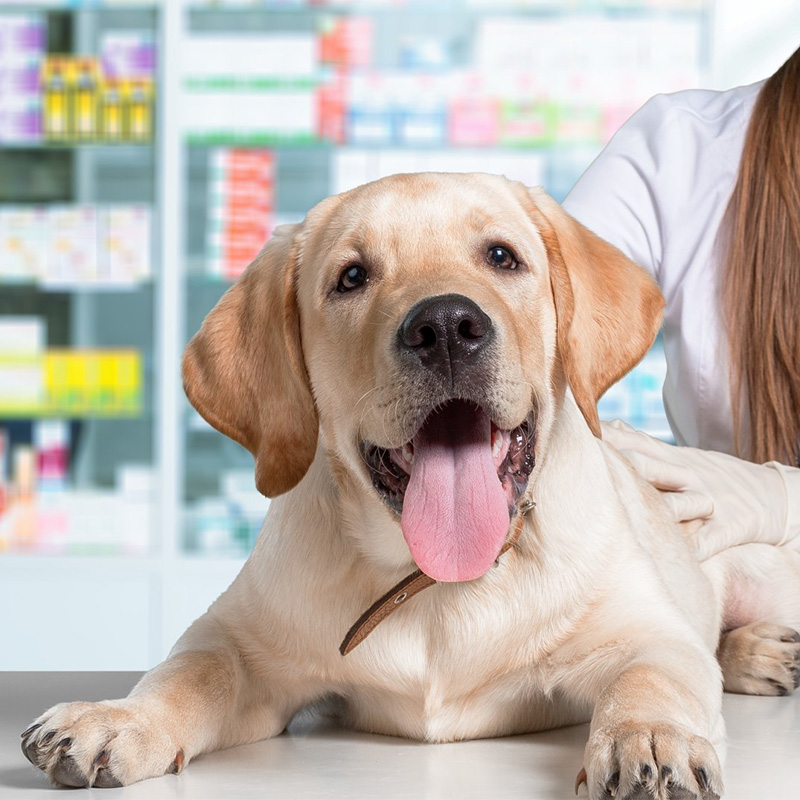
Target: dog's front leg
x: 204, y: 697
x: 651, y: 727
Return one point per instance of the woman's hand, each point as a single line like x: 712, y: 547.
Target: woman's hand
x: 721, y: 500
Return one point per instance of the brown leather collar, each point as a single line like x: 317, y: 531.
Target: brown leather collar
x: 406, y: 589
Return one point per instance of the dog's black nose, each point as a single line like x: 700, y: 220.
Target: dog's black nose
x: 445, y: 330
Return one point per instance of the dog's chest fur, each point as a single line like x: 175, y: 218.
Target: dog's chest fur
x: 454, y: 667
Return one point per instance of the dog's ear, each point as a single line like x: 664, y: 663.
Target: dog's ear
x: 608, y: 308
x: 244, y: 370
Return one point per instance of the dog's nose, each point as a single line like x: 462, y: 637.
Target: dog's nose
x: 444, y: 330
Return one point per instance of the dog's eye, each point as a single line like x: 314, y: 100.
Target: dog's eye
x: 501, y: 257
x: 351, y: 278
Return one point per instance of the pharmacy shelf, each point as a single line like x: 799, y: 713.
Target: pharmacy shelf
x: 77, y: 290
x: 11, y: 563
x: 141, y: 604
x: 85, y: 565
x: 118, y: 147
x: 194, y: 564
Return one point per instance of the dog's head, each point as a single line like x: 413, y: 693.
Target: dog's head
x: 427, y: 326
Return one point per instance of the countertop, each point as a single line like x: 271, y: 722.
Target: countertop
x: 318, y: 759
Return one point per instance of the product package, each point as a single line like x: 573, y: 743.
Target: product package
x: 241, y: 208
x: 83, y: 102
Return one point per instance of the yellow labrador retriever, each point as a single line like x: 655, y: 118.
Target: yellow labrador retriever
x: 414, y: 367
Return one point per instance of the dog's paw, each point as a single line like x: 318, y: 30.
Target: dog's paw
x: 643, y: 761
x: 760, y: 658
x: 105, y: 745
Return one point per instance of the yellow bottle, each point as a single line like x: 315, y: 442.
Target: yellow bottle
x: 140, y: 114
x: 54, y: 83
x: 111, y: 126
x: 85, y: 101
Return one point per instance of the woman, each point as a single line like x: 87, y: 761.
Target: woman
x: 703, y: 189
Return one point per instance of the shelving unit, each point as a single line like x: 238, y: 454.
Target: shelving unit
x: 189, y: 488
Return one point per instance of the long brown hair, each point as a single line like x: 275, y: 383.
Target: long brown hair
x: 761, y: 280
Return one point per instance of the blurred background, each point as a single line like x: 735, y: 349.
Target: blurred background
x: 147, y: 149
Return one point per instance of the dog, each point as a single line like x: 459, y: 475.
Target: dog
x: 415, y: 368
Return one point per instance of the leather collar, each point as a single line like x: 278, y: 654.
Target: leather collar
x: 408, y: 587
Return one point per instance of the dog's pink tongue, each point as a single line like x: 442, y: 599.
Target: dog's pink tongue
x: 455, y: 513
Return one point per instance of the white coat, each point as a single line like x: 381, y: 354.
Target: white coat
x: 659, y: 192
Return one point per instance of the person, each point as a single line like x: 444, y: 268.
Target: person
x: 702, y: 188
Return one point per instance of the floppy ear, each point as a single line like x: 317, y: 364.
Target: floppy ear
x: 608, y: 309
x: 244, y: 370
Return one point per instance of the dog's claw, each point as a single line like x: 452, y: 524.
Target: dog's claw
x: 580, y: 779
x: 612, y: 784
x: 30, y: 730
x: 177, y: 765
x: 778, y: 686
x: 702, y: 779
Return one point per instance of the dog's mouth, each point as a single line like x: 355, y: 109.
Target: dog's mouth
x: 456, y: 484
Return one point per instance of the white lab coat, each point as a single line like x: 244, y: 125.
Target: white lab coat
x: 658, y: 192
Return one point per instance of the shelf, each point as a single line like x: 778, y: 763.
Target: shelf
x: 78, y: 289
x: 116, y: 146
x: 552, y: 9
x: 11, y: 562
x: 12, y: 6
x: 309, y: 143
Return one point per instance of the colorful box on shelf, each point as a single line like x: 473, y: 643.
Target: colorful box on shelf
x: 241, y: 208
x: 97, y: 383
x: 22, y: 47
x: 81, y: 522
x: 345, y: 41
x: 254, y: 90
x: 70, y: 383
x: 527, y: 123
x: 227, y: 525
x: 474, y: 112
x: 70, y: 247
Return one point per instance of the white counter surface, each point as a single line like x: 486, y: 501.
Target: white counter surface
x: 321, y: 760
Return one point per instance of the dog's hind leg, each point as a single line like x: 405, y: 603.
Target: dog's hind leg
x: 759, y: 649
x: 760, y: 658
